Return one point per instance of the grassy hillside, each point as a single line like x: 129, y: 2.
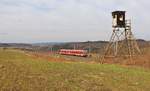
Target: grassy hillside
x: 22, y: 72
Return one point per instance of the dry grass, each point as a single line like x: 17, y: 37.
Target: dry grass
x: 142, y: 60
x: 23, y: 72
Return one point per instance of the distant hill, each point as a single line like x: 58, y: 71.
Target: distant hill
x: 143, y: 43
x: 16, y: 45
x: 91, y: 46
x: 46, y: 44
x: 94, y: 46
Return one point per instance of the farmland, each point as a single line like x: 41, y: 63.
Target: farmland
x: 21, y: 71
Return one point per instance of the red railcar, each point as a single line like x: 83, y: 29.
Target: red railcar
x: 81, y: 53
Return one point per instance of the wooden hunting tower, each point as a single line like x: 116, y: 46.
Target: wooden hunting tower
x: 122, y: 41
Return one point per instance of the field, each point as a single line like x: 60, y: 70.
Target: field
x: 21, y: 71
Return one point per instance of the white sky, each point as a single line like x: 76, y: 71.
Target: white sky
x: 68, y: 20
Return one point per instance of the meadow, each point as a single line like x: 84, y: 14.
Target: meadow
x: 21, y: 71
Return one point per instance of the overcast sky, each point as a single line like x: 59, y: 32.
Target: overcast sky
x: 68, y: 20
